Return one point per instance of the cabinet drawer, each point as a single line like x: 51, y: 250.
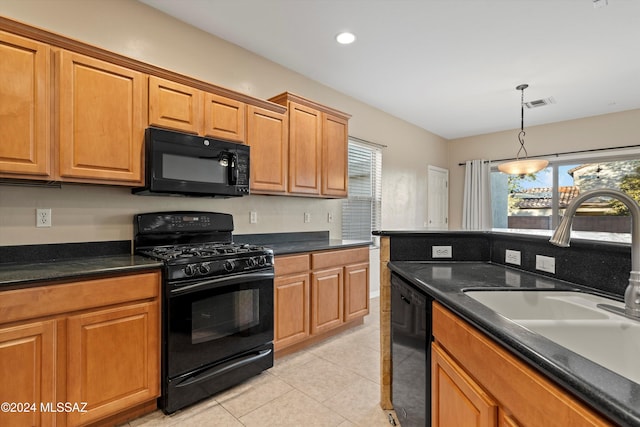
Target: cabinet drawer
x: 291, y: 264
x: 339, y: 257
x: 48, y: 300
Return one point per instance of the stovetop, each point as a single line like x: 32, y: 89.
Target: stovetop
x: 196, y: 245
x: 200, y: 251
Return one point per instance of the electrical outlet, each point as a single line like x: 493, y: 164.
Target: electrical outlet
x: 441, y: 251
x: 546, y: 263
x: 307, y: 217
x: 43, y: 217
x: 512, y: 257
x: 253, y: 217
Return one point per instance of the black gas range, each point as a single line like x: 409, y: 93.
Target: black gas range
x: 217, y: 303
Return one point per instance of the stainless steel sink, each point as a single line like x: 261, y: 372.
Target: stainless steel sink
x: 574, y: 321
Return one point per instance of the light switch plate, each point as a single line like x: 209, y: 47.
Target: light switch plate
x: 512, y: 257
x: 546, y: 263
x: 441, y: 251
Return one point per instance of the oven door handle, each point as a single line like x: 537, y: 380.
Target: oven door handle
x: 224, y: 368
x: 221, y: 281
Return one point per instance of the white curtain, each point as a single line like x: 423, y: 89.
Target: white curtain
x: 476, y: 209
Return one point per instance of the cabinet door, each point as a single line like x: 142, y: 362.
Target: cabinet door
x: 175, y: 106
x: 102, y: 119
x: 224, y: 118
x: 356, y: 291
x: 27, y: 369
x: 113, y: 359
x: 335, y: 163
x: 24, y: 107
x: 268, y: 137
x: 327, y: 299
x: 291, y: 310
x: 456, y: 399
x: 305, y: 149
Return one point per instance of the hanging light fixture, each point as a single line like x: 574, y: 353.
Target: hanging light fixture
x: 527, y: 165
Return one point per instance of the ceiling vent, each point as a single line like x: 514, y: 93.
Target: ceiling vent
x: 540, y: 102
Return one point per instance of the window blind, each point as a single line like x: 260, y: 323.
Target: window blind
x: 361, y: 212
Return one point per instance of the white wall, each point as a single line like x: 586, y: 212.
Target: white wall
x: 605, y: 131
x: 89, y: 213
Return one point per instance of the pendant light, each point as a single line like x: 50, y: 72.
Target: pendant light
x: 526, y: 166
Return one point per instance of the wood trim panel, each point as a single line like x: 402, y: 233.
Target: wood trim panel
x: 285, y: 97
x: 337, y: 257
x: 385, y: 324
x: 30, y: 303
x: 526, y: 394
x: 114, y: 58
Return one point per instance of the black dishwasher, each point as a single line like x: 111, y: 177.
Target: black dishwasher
x: 410, y: 353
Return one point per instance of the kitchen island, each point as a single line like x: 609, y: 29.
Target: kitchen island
x: 606, y: 392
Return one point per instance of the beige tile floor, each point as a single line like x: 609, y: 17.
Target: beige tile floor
x: 333, y: 383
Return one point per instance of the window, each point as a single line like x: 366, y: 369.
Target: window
x: 361, y: 212
x: 537, y: 201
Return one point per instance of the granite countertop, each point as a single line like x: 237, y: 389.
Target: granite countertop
x: 291, y: 243
x: 33, y: 274
x: 609, y: 393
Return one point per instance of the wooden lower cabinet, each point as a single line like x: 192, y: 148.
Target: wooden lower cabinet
x: 457, y: 399
x: 113, y: 360
x: 93, y: 344
x: 477, y: 382
x: 291, y: 309
x: 28, y: 372
x: 318, y: 293
x: 327, y: 296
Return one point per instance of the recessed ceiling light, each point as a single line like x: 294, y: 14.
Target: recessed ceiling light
x: 345, y: 38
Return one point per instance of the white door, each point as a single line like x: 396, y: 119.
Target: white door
x: 437, y: 198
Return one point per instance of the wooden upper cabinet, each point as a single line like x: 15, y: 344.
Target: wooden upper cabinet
x: 224, y: 118
x: 102, y: 110
x: 305, y: 149
x: 175, y: 106
x: 335, y: 159
x: 267, y: 135
x: 318, y: 151
x: 25, y: 149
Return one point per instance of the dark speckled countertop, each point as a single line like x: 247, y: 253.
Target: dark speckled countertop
x: 34, y: 274
x: 34, y: 265
x: 609, y: 393
x: 291, y: 243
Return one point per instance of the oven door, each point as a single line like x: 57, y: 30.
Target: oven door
x: 210, y: 321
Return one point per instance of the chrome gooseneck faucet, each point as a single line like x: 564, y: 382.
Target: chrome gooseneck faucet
x: 562, y: 235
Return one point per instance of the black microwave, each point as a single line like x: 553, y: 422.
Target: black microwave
x: 190, y: 165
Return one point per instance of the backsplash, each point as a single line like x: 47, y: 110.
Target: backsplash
x: 601, y: 266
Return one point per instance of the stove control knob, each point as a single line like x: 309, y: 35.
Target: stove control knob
x: 262, y: 261
x: 229, y: 265
x: 190, y: 270
x: 204, y: 268
x: 252, y: 262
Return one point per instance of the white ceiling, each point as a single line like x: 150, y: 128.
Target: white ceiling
x: 448, y: 66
